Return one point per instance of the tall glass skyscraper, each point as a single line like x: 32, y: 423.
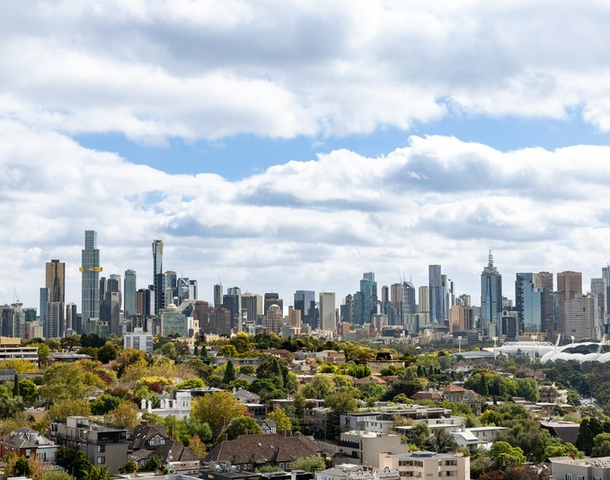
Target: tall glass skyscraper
x: 129, y: 293
x: 491, y: 297
x: 158, y: 277
x: 437, y: 294
x: 90, y: 270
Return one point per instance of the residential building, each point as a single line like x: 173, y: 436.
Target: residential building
x: 28, y: 443
x: 366, y: 447
x: 90, y: 269
x: 251, y: 452
x: 55, y: 276
x: 427, y: 465
x: 544, y: 280
x: 158, y: 277
x: 105, y: 446
x: 436, y: 295
x: 568, y: 468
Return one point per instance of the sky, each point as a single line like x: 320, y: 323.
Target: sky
x: 278, y: 146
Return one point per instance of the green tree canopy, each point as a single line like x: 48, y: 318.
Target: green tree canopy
x: 212, y: 407
x: 242, y: 426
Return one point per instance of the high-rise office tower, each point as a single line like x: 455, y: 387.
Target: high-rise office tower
x: 218, y: 293
x: 520, y: 280
x: 423, y: 307
x: 90, y: 278
x: 365, y: 300
x: 110, y: 302
x: 491, y: 297
x: 158, y: 277
x: 544, y: 280
x: 252, y: 306
x: 232, y: 301
x: 272, y: 299
x: 44, y: 299
x: 129, y: 294
x: 437, y: 294
x: 55, y: 326
x: 347, y: 310
x: 72, y: 323
x: 598, y: 289
x: 327, y: 311
x: 171, y: 288
x: 532, y: 308
x: 569, y: 284
x: 449, y: 299
x: 55, y: 276
x: 305, y: 301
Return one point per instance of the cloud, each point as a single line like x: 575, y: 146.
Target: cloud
x: 209, y: 70
x: 315, y: 224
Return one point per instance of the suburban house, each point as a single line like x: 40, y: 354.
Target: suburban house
x: 28, y: 443
x: 250, y: 452
x: 428, y: 465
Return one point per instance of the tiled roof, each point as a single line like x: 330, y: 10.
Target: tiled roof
x: 452, y: 387
x: 143, y: 433
x: 262, y: 449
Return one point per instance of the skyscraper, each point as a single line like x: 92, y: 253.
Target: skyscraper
x: 129, y: 294
x: 569, y: 285
x: 218, y: 293
x: 491, y: 297
x: 365, y: 300
x: 55, y: 276
x: 327, y: 311
x: 305, y: 301
x: 544, y: 280
x: 437, y: 295
x: 520, y: 280
x: 158, y: 277
x: 90, y: 278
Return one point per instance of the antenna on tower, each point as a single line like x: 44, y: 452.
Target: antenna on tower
x: 15, y: 296
x: 219, y: 281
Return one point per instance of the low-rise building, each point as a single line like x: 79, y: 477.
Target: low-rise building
x: 568, y: 468
x: 28, y: 443
x: 138, y: 340
x: 364, y: 447
x: 251, y: 452
x: 179, y: 407
x: 350, y: 471
x: 428, y: 465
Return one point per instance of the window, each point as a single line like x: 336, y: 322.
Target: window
x: 101, y: 448
x: 568, y: 476
x: 101, y: 460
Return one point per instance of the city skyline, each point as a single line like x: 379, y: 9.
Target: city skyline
x: 206, y: 292
x: 301, y: 152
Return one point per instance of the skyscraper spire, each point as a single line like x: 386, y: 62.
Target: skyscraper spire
x: 490, y: 262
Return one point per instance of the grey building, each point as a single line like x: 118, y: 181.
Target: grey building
x: 491, y: 298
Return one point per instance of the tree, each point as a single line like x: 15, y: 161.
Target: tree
x: 341, y: 402
x: 104, y: 404
x: 57, y: 475
x: 74, y: 461
x: 228, y: 351
x: 443, y: 442
x: 191, y: 383
x: 58, y: 412
x: 282, y: 421
x: 129, y: 467
x: 215, y: 406
x: 28, y: 390
x: 241, y: 426
x: 230, y: 375
x: 419, y: 434
x: 562, y: 450
x: 107, y: 353
x: 19, y: 365
x: 319, y: 387
x: 601, y: 445
x: 126, y: 414
x: 528, y: 388
x: 70, y: 343
x: 503, y: 455
x: 589, y: 428
x: 197, y: 446
x: 16, y: 390
x: 310, y: 464
x: 63, y: 381
x: 98, y: 473
x: 153, y: 464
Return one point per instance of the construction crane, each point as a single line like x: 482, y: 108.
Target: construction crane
x: 15, y: 296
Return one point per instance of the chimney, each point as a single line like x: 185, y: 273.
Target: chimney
x: 170, y: 432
